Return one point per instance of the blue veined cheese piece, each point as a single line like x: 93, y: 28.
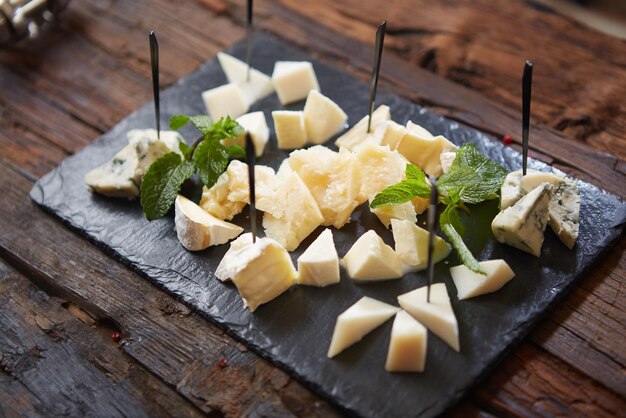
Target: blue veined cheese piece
x: 564, y: 212
x: 523, y: 224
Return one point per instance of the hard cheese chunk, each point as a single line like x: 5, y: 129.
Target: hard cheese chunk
x: 255, y: 124
x: 295, y: 213
x: 469, y: 284
x: 412, y: 245
x: 197, y: 229
x: 407, y: 347
x: 389, y: 133
x: 358, y: 133
x: 333, y: 179
x: 564, y: 212
x: 425, y: 152
x: 319, y: 264
x: 418, y: 130
x: 437, y: 315
x: 523, y: 224
x: 224, y: 269
x: 370, y: 259
x: 290, y: 129
x: 380, y: 167
x: 357, y: 321
x: 261, y: 271
x: 254, y: 84
x: 293, y: 80
x: 322, y: 117
x: 226, y: 100
x: 386, y: 214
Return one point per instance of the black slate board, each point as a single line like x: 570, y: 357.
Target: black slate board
x: 294, y: 330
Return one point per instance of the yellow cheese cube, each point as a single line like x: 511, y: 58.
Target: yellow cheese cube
x: 290, y: 129
x: 322, y: 117
x: 293, y: 80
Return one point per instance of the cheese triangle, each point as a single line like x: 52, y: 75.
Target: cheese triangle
x: 357, y: 321
x: 469, y: 284
x: 437, y: 315
x: 319, y: 264
x: 412, y: 245
x: 371, y: 259
x: 407, y: 347
x: 257, y: 87
x: 358, y: 133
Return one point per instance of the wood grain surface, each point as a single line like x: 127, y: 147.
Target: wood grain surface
x: 61, y: 297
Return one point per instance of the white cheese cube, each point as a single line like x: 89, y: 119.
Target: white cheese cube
x: 293, y: 80
x: 358, y: 133
x: 510, y: 192
x: 437, y: 315
x: 565, y: 212
x: 295, y: 214
x: 226, y: 100
x: 523, y: 224
x: 418, y: 130
x: 425, y: 152
x: 388, y: 213
x: 469, y: 284
x: 197, y: 229
x: 256, y: 125
x: 411, y: 244
x: 333, y: 179
x: 389, y: 133
x: 256, y: 87
x: 380, y: 167
x: 357, y: 321
x: 370, y: 259
x: 223, y: 270
x: 290, y: 129
x: 322, y: 117
x: 407, y: 347
x: 447, y: 158
x: 319, y: 264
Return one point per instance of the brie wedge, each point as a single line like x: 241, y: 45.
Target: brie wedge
x: 319, y: 264
x: 407, y: 347
x: 226, y: 100
x: 358, y: 321
x: 322, y: 117
x: 411, y: 243
x: 223, y: 270
x: 358, y: 133
x: 293, y: 80
x: 290, y: 129
x: 370, y: 259
x: 256, y: 87
x: 469, y: 284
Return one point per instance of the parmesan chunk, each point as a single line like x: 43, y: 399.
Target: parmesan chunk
x: 380, y: 167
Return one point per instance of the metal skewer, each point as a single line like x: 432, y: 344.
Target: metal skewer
x: 432, y: 217
x: 378, y: 53
x: 154, y: 63
x: 251, y: 160
x: 527, y: 82
x: 249, y: 39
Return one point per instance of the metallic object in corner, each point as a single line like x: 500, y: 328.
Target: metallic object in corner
x: 23, y: 20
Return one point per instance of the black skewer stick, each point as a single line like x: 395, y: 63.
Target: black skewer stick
x: 154, y: 63
x: 251, y: 159
x: 378, y: 53
x: 527, y: 83
x: 249, y: 39
x: 432, y: 217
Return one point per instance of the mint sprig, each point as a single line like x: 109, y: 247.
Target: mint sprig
x: 165, y: 176
x: 414, y: 185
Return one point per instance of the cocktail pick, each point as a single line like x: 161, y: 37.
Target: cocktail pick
x: 250, y: 158
x: 249, y: 39
x: 432, y: 218
x: 378, y: 53
x: 527, y: 83
x: 154, y: 63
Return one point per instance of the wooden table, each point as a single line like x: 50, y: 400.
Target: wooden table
x: 61, y: 298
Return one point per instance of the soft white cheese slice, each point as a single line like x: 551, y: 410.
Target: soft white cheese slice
x: 437, y: 315
x: 197, y: 229
x: 293, y: 80
x: 290, y: 129
x: 386, y: 214
x: 256, y: 125
x: 447, y: 158
x: 469, y: 284
x: 256, y: 87
x: 411, y: 244
x: 226, y: 100
x: 565, y: 212
x: 425, y: 152
x: 407, y: 347
x: 333, y: 179
x: 379, y: 167
x: 319, y: 264
x: 523, y: 224
x: 223, y: 270
x: 358, y: 133
x: 358, y: 321
x: 322, y: 117
x: 370, y: 259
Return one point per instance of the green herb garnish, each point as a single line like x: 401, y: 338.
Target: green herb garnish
x: 207, y: 155
x: 473, y: 178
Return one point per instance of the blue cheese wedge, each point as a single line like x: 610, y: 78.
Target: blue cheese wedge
x: 319, y: 264
x: 469, y: 284
x: 523, y: 224
x: 370, y: 259
x: 510, y: 192
x: 565, y: 212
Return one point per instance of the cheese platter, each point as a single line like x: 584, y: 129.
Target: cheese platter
x: 295, y: 329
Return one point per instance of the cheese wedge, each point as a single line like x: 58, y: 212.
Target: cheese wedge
x: 510, y: 192
x: 322, y: 117
x: 389, y: 133
x: 223, y: 270
x: 523, y: 224
x: 261, y: 271
x: 437, y: 315
x: 386, y: 214
x: 333, y: 179
x: 290, y: 129
x: 293, y: 80
x: 256, y: 125
x: 564, y: 212
x: 418, y: 130
x: 197, y: 229
x: 370, y: 259
x: 319, y: 264
x: 411, y: 243
x: 533, y: 179
x: 379, y: 167
x: 469, y: 284
x: 358, y: 321
x: 358, y: 133
x: 226, y: 100
x: 295, y: 213
x: 425, y: 152
x: 407, y: 347
x: 254, y: 88
x: 447, y: 158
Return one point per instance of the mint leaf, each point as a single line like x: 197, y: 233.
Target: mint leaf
x: 414, y: 185
x: 211, y: 158
x: 451, y: 216
x: 184, y: 148
x: 225, y: 128
x: 178, y: 121
x: 235, y: 151
x: 203, y: 123
x: 461, y: 249
x: 162, y: 182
